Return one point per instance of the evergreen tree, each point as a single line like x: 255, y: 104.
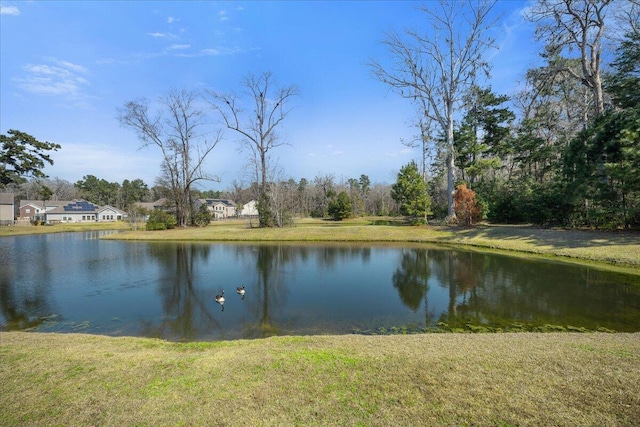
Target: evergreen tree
x: 341, y: 207
x: 411, y: 192
x: 21, y: 154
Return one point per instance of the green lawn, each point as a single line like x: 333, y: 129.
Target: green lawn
x: 20, y: 230
x: 511, y: 379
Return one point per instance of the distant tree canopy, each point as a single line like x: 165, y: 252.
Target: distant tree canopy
x: 23, y: 155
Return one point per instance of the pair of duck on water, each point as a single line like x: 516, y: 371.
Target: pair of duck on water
x: 220, y: 296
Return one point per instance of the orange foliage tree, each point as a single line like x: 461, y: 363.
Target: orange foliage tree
x: 466, y: 205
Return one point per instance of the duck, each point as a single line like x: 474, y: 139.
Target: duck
x: 240, y: 290
x: 220, y: 299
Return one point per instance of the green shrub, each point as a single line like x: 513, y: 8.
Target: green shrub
x: 203, y: 217
x: 340, y: 208
x: 161, y: 220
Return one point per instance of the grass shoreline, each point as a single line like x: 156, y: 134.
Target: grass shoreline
x: 523, y: 379
x: 619, y: 251
x: 606, y: 248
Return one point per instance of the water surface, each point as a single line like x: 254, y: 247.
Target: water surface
x: 75, y: 282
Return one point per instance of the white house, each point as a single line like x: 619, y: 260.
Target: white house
x: 73, y: 211
x: 219, y: 208
x: 109, y: 213
x: 249, y: 209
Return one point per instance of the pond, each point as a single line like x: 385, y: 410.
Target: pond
x: 76, y: 282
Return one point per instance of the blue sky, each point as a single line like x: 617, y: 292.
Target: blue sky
x: 67, y: 66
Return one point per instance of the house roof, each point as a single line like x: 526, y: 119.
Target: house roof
x: 7, y: 198
x: 163, y: 202
x: 41, y: 203
x: 75, y: 207
x: 111, y: 208
x: 226, y: 202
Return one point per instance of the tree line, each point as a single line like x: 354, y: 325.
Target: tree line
x: 302, y: 198
x: 564, y: 150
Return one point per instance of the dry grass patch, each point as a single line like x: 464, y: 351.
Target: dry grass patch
x: 450, y: 379
x: 62, y: 228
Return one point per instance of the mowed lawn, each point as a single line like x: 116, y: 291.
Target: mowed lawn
x: 510, y: 379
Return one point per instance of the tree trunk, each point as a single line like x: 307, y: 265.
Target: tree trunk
x: 451, y: 213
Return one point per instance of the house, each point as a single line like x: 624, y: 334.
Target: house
x: 7, y: 208
x: 162, y: 204
x: 68, y: 211
x: 219, y: 208
x: 249, y: 209
x: 74, y: 211
x: 31, y: 210
x: 109, y: 213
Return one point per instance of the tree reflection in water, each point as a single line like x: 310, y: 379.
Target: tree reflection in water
x: 188, y: 311
x: 411, y: 279
x: 168, y: 289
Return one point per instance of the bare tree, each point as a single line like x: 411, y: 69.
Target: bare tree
x: 176, y: 130
x: 438, y: 66
x: 324, y: 189
x: 569, y: 25
x: 257, y: 124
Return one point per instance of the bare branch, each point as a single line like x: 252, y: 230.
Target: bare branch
x: 175, y: 130
x: 258, y: 126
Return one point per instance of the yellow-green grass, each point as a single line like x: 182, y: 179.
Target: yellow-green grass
x: 518, y: 379
x: 19, y: 230
x: 604, y: 247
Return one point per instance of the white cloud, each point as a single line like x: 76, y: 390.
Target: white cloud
x: 215, y: 51
x: 179, y: 46
x: 9, y: 10
x: 222, y: 15
x: 171, y: 20
x: 67, y: 65
x: 56, y: 78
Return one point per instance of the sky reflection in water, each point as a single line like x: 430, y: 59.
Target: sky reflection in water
x: 74, y: 282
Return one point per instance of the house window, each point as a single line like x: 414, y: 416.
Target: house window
x: 27, y: 210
